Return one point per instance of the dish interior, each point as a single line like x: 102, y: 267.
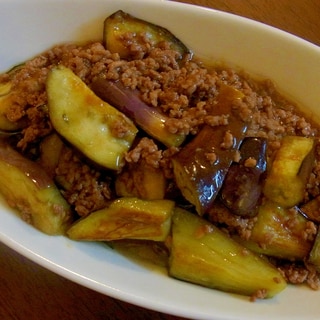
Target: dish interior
x: 29, y: 27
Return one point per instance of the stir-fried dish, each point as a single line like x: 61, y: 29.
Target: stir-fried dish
x: 136, y: 142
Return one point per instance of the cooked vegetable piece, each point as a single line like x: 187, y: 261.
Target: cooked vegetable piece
x: 50, y: 150
x: 201, y: 166
x: 6, y: 85
x: 314, y: 256
x: 283, y: 184
x: 242, y: 187
x: 280, y: 232
x: 93, y: 126
x: 142, y: 181
x: 150, y: 119
x: 150, y: 253
x: 5, y: 103
x: 5, y: 88
x: 126, y: 218
x: 311, y: 209
x: 123, y: 33
x: 27, y: 187
x: 203, y: 254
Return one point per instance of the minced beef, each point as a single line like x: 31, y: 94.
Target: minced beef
x: 186, y: 91
x: 84, y: 187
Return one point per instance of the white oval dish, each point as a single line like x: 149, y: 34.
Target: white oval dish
x: 28, y: 27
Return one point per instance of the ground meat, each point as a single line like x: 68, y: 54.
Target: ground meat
x: 260, y: 294
x: 82, y: 186
x: 186, y: 93
x: 233, y: 224
x: 299, y: 273
x: 227, y: 140
x: 145, y: 150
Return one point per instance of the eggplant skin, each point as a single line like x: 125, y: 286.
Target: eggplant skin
x: 127, y: 101
x: 118, y: 25
x: 201, y: 166
x: 242, y: 188
x: 27, y: 187
x: 197, y: 178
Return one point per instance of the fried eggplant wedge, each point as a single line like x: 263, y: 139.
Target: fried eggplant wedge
x: 281, y: 232
x: 94, y: 127
x: 123, y: 33
x: 28, y: 188
x: 314, y: 256
x: 203, y: 254
x: 202, y: 165
x: 284, y: 183
x: 242, y: 188
x: 6, y: 102
x: 126, y: 218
